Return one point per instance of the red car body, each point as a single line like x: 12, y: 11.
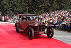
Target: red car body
x: 27, y: 22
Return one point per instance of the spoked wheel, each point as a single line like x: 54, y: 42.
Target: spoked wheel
x: 50, y: 32
x: 30, y: 33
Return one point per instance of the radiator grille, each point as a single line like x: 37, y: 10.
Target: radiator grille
x: 41, y: 27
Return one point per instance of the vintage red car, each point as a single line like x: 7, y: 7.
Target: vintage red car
x: 31, y: 24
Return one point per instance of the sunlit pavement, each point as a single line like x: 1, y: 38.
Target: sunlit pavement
x: 63, y: 36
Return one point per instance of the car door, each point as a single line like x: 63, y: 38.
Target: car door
x: 20, y: 21
x: 24, y: 23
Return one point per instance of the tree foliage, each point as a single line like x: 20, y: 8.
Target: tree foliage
x: 12, y: 7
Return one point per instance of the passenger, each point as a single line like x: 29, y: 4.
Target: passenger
x: 43, y: 19
x: 36, y: 18
x: 24, y: 18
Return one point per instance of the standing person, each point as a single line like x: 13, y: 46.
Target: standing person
x: 3, y: 18
x: 7, y: 17
x: 46, y: 19
x: 43, y: 19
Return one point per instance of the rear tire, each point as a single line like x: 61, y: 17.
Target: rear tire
x: 50, y: 32
x: 30, y: 33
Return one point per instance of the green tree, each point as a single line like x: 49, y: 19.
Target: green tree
x: 11, y: 7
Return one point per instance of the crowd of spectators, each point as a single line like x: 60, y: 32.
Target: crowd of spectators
x: 8, y: 18
x: 4, y: 18
x: 60, y: 18
x: 14, y: 18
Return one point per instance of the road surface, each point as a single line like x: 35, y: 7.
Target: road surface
x: 62, y: 36
x: 9, y: 38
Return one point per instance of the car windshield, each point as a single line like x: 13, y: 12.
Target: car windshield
x: 35, y: 18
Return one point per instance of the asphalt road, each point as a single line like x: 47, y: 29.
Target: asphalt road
x: 62, y: 36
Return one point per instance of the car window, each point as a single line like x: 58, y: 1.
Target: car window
x: 29, y: 18
x: 33, y: 18
x: 24, y: 18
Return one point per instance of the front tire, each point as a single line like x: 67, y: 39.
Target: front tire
x: 17, y: 30
x: 30, y: 33
x: 50, y: 32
